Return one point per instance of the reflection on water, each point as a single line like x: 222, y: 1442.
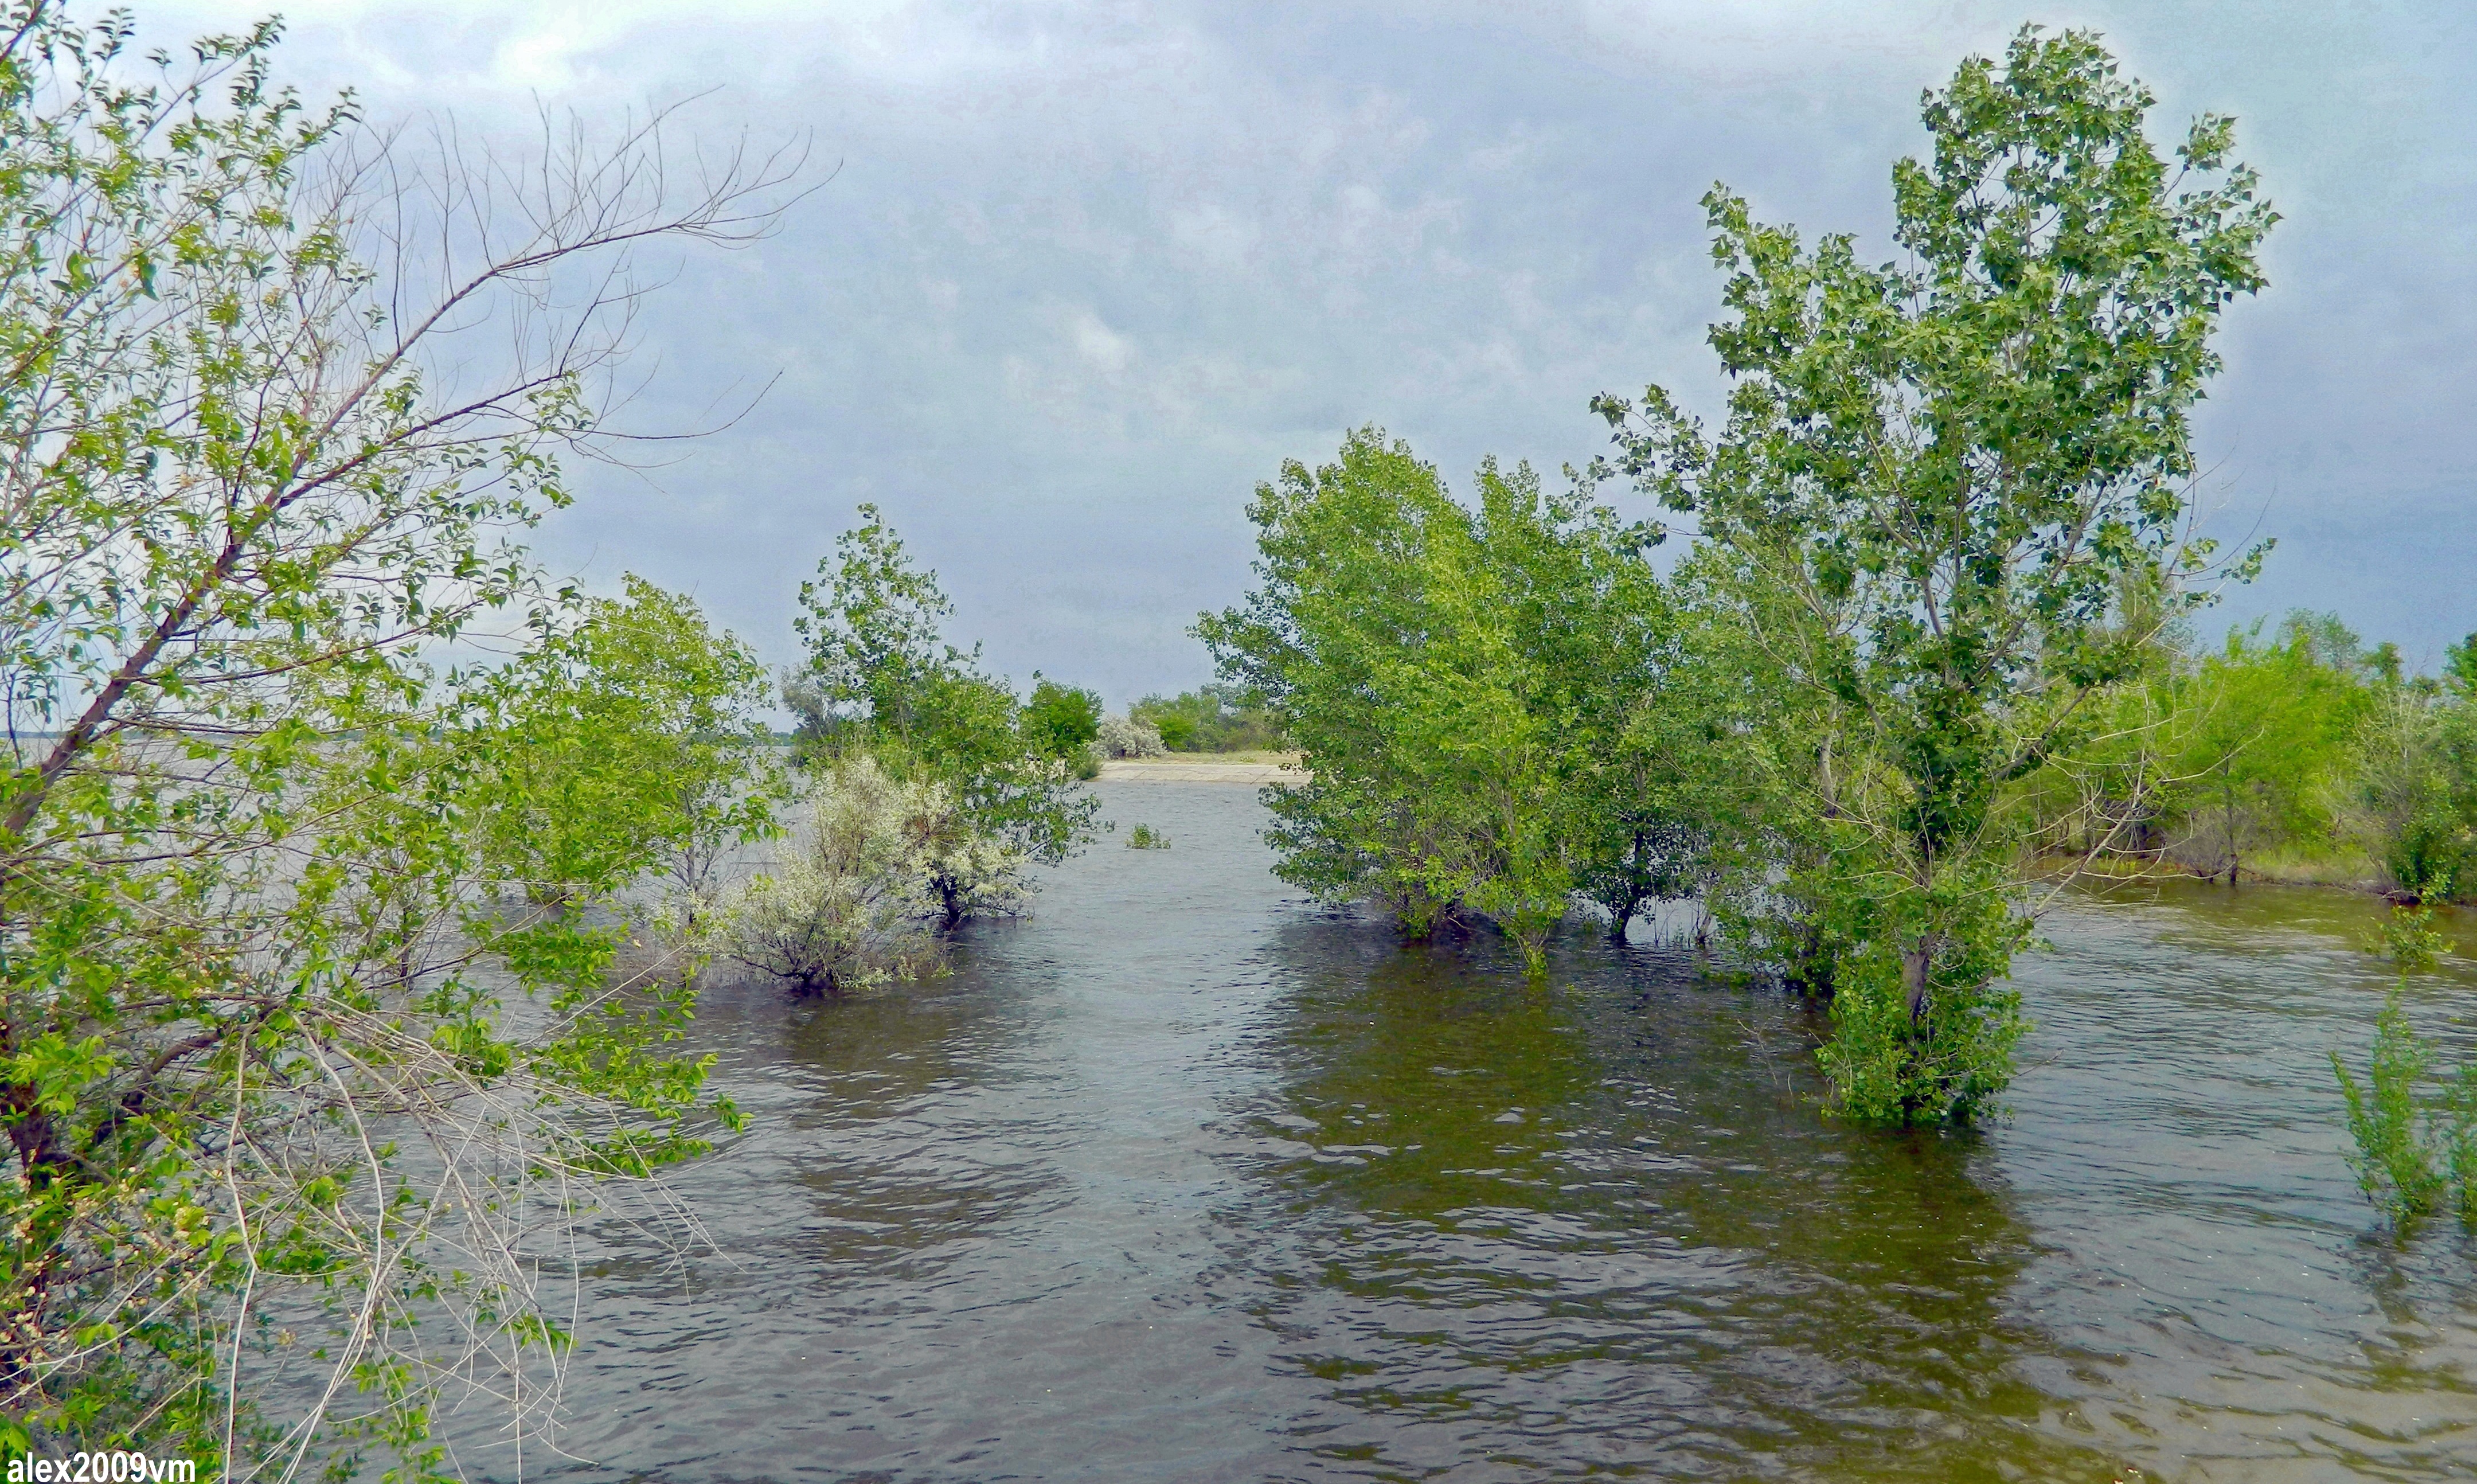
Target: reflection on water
x: 1599, y: 1225
x: 1186, y: 1179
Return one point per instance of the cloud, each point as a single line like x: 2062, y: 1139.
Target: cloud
x: 1085, y: 273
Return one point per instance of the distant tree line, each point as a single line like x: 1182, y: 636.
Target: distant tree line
x: 1216, y: 718
x: 2295, y: 752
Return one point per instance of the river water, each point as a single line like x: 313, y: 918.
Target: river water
x: 1186, y: 1178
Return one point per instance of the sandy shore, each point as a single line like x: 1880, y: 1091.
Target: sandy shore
x: 1204, y: 770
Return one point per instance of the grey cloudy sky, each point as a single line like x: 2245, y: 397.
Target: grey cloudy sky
x: 1087, y: 273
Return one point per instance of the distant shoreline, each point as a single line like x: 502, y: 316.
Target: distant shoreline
x: 1256, y: 767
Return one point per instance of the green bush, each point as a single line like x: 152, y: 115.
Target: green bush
x: 1060, y: 721
x: 2396, y: 1168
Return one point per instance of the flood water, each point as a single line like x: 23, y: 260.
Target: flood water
x: 1186, y: 1178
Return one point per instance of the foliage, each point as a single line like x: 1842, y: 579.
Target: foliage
x: 2397, y: 1168
x: 885, y: 681
x: 257, y: 1071
x: 851, y: 909
x: 2301, y: 743
x: 1062, y: 723
x: 2262, y: 736
x: 2411, y: 796
x: 2460, y: 1142
x: 813, y: 733
x: 2408, y: 940
x: 631, y: 739
x: 1143, y: 837
x: 2403, y: 1171
x: 1461, y: 685
x: 1120, y: 738
x: 1936, y: 478
x: 2460, y: 667
x: 1216, y: 718
x: 1885, y: 1068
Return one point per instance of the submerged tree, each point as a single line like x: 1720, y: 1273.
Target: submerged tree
x: 1949, y: 468
x: 1461, y: 685
x: 883, y: 679
x: 256, y: 1071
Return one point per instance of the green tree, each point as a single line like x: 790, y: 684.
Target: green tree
x: 632, y: 740
x: 2460, y: 667
x: 1951, y: 466
x: 1457, y: 682
x: 1062, y: 722
x: 254, y: 1059
x: 885, y: 680
x: 2262, y: 738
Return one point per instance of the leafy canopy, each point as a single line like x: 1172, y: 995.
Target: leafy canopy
x: 1936, y: 476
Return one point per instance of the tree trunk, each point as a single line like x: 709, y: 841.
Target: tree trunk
x: 1916, y: 962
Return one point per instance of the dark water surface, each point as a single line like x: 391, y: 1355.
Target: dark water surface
x: 1184, y: 1178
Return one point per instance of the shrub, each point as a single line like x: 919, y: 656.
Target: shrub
x: 1143, y: 837
x: 1119, y: 738
x: 1060, y: 721
x: 2396, y: 1168
x: 852, y: 909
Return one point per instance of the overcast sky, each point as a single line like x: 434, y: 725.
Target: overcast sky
x: 1083, y: 275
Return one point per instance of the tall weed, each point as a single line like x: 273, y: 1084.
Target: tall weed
x: 2399, y: 1171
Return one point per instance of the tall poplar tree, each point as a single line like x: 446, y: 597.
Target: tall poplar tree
x: 1935, y: 475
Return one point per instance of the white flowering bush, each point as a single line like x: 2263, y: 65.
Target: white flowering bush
x: 1122, y: 738
x: 852, y: 909
x: 969, y: 873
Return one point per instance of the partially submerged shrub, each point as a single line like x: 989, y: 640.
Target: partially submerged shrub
x: 2397, y: 1168
x: 1120, y: 738
x: 1143, y: 837
x: 2402, y: 1172
x: 2408, y: 938
x: 968, y: 873
x: 851, y: 911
